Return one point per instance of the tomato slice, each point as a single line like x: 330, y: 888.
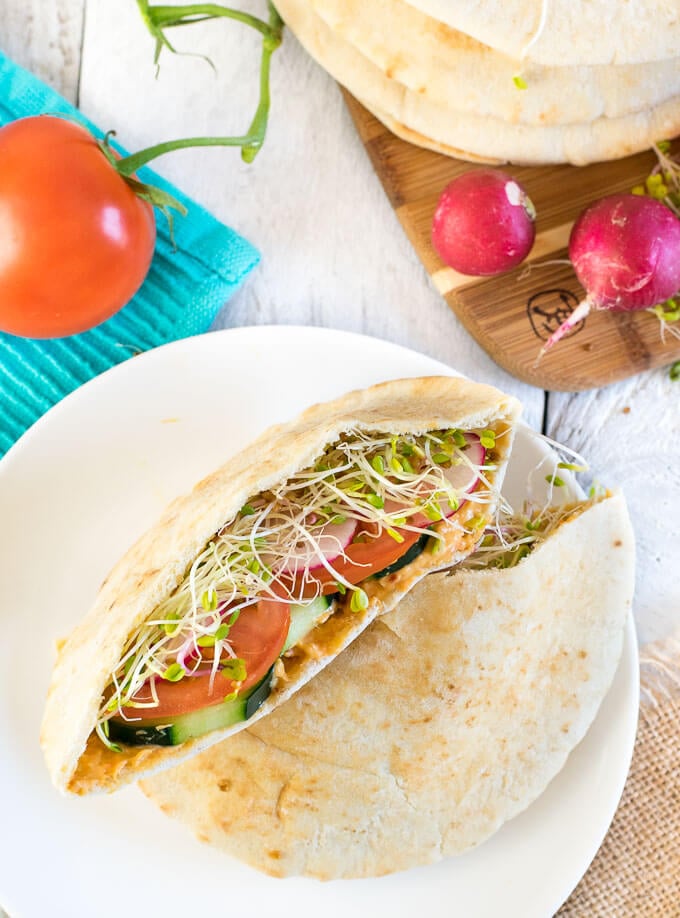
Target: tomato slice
x: 257, y: 637
x: 373, y: 553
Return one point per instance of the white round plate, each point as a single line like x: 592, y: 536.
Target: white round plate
x: 75, y: 491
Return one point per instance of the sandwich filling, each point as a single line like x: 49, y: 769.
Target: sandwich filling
x: 290, y: 558
x: 515, y: 535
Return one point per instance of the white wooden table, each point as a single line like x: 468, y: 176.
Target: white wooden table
x: 333, y: 253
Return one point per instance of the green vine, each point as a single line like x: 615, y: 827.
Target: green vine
x: 158, y: 18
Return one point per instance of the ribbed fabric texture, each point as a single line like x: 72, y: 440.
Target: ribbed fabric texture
x: 183, y: 292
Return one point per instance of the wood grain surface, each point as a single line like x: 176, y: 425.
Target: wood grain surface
x: 513, y: 314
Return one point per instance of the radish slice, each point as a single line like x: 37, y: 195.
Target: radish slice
x: 331, y: 539
x: 461, y: 477
x: 187, y: 658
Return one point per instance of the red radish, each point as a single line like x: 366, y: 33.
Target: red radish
x: 484, y: 223
x: 625, y: 249
x: 331, y: 540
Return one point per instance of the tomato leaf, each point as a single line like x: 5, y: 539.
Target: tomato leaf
x: 164, y: 201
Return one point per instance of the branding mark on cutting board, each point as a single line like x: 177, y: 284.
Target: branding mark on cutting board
x: 547, y: 309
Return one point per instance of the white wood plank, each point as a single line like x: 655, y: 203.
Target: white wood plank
x: 630, y: 432
x: 333, y: 253
x: 44, y: 36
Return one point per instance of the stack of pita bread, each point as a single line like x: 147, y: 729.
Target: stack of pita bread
x: 525, y: 81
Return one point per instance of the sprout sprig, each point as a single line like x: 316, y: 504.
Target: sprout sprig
x: 514, y: 536
x: 663, y: 184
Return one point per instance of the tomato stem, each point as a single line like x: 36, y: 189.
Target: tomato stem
x: 167, y: 16
x: 158, y: 18
x: 130, y: 164
x: 258, y: 126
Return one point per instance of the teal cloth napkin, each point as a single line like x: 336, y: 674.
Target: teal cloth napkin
x: 182, y: 294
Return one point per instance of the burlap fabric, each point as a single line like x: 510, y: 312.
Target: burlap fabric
x: 636, y: 873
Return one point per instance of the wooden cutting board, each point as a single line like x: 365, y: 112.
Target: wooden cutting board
x: 511, y: 315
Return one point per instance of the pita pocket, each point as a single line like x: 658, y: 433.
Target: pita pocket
x: 445, y: 719
x: 294, y: 546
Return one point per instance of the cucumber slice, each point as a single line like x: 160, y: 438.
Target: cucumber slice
x: 164, y: 732
x: 303, y: 619
x: 161, y: 732
x: 416, y: 549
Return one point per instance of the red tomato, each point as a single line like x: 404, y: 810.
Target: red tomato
x: 363, y: 559
x: 257, y: 637
x: 76, y: 241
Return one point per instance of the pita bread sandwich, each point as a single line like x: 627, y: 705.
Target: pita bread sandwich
x: 293, y: 546
x: 445, y: 719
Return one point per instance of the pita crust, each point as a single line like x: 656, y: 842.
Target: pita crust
x: 153, y: 567
x: 446, y: 718
x: 573, y: 31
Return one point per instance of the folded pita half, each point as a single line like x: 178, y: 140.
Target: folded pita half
x: 446, y: 718
x: 294, y: 545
